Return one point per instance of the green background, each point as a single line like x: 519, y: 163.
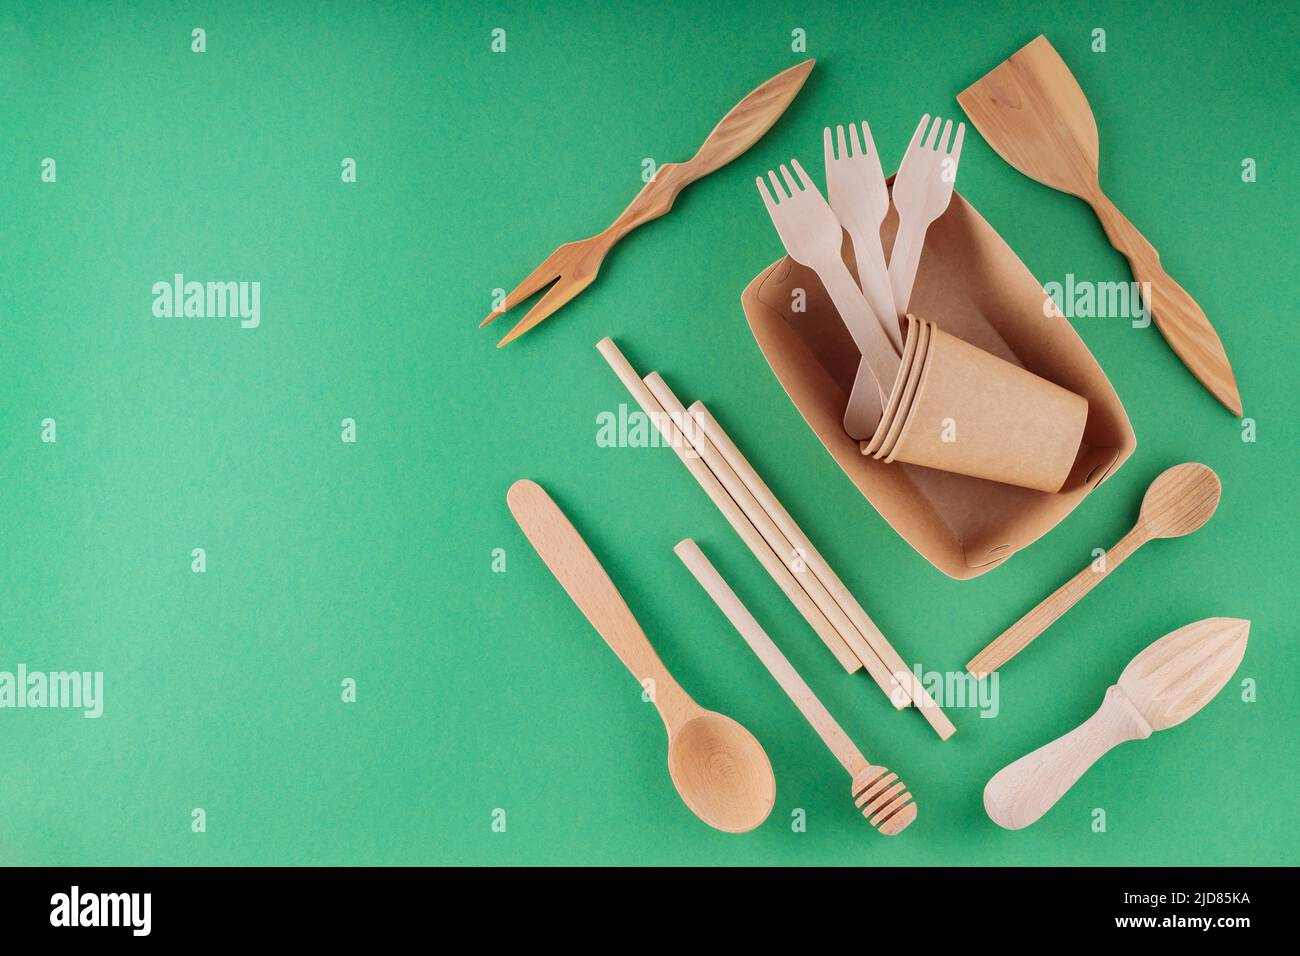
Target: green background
x: 480, y: 690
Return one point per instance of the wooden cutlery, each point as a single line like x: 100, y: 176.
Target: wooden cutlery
x: 1165, y: 684
x: 1177, y: 502
x: 878, y: 794
x: 812, y: 235
x: 574, y: 265
x: 721, y: 772
x: 922, y: 191
x: 1033, y: 113
x: 855, y: 186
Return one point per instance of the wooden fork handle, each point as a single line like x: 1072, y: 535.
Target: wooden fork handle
x: 1023, y: 791
x: 561, y: 547
x: 855, y: 312
x: 742, y: 127
x: 1021, y: 634
x: 1180, y: 320
x: 904, y: 260
x: 654, y: 200
x: 658, y: 195
x: 873, y: 276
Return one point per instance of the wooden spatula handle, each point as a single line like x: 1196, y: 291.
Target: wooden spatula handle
x: 1180, y: 320
x: 1021, y: 634
x: 1021, y: 792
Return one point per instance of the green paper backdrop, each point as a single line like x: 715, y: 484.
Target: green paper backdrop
x: 480, y: 691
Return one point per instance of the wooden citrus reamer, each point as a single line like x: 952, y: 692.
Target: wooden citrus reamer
x: 1162, y: 686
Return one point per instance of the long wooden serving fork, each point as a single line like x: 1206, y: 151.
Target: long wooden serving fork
x: 855, y: 186
x: 574, y: 265
x: 813, y: 236
x: 922, y: 191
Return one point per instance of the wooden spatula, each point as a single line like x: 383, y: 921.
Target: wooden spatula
x: 1032, y: 112
x: 1165, y: 684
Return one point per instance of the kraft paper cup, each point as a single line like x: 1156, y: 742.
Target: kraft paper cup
x: 911, y: 341
x: 893, y: 428
x: 975, y: 414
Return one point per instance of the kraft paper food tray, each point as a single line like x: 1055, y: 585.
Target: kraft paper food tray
x: 973, y: 286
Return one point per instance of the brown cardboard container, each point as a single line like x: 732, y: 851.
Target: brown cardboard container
x: 973, y: 287
x: 975, y: 414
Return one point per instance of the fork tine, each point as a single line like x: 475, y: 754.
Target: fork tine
x: 768, y: 201
x: 934, y: 133
x: 839, y: 141
x: 920, y: 131
x: 956, y: 143
x: 556, y: 296
x: 789, y: 180
x: 776, y: 186
x: 828, y: 146
x: 868, y: 144
x: 854, y: 147
x: 803, y: 177
x: 947, y: 134
x: 541, y: 276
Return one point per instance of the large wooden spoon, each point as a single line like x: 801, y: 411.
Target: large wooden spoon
x: 1178, y: 502
x: 720, y: 770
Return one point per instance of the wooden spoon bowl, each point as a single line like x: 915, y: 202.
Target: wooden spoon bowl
x: 1180, y: 500
x: 883, y: 800
x: 721, y: 772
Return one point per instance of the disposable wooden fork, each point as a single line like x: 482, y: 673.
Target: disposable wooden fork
x: 922, y: 191
x: 813, y: 236
x: 855, y: 186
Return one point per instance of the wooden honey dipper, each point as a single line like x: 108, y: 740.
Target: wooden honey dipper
x: 883, y: 799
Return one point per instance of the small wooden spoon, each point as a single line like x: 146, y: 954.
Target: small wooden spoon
x: 1179, y: 501
x: 720, y: 770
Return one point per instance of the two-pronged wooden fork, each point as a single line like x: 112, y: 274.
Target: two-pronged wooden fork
x: 574, y: 265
